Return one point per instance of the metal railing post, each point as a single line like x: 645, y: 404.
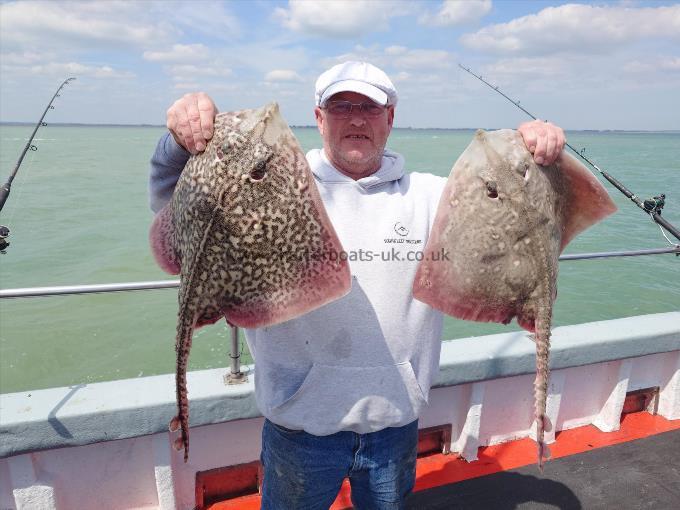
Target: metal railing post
x: 235, y: 376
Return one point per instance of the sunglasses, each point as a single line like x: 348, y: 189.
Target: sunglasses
x: 343, y: 109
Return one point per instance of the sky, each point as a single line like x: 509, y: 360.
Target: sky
x: 596, y: 65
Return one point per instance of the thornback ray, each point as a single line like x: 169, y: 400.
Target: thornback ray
x: 248, y: 234
x: 502, y: 222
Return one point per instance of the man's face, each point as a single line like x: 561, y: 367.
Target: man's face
x: 354, y: 145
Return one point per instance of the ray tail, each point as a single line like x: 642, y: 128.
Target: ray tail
x: 542, y: 337
x: 185, y: 327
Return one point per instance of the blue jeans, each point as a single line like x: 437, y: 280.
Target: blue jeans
x: 305, y: 472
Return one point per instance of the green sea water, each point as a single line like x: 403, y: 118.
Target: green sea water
x: 78, y: 214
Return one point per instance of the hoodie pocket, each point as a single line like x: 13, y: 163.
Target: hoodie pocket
x: 362, y: 399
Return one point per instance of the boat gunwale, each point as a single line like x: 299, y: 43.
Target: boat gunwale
x: 90, y: 413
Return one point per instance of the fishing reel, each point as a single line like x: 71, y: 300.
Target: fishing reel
x: 655, y: 204
x: 4, y: 234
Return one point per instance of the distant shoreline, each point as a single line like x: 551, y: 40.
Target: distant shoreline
x: 78, y: 124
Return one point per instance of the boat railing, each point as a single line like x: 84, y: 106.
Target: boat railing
x: 235, y: 375
x: 64, y: 290
x: 173, y: 284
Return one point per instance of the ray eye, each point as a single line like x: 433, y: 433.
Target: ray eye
x: 491, y: 189
x: 258, y: 173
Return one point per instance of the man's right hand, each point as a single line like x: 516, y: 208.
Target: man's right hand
x: 190, y: 120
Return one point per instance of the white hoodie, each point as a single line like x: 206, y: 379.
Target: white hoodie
x: 367, y: 360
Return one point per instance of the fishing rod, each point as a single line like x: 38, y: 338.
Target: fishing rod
x: 4, y: 190
x: 652, y: 206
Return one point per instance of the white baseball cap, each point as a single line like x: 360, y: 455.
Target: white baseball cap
x: 360, y: 77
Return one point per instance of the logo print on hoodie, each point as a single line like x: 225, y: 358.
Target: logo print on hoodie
x: 402, y: 231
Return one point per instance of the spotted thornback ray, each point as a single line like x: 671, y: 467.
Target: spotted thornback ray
x: 500, y: 227
x: 248, y: 234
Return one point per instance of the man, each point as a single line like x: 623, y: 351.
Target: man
x: 341, y: 387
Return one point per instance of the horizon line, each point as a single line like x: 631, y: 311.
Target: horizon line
x: 310, y: 126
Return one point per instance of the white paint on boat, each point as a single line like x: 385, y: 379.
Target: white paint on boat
x: 106, y: 445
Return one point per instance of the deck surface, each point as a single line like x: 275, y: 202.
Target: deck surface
x: 635, y: 467
x: 644, y: 473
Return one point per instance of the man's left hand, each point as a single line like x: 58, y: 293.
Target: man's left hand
x: 543, y: 139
